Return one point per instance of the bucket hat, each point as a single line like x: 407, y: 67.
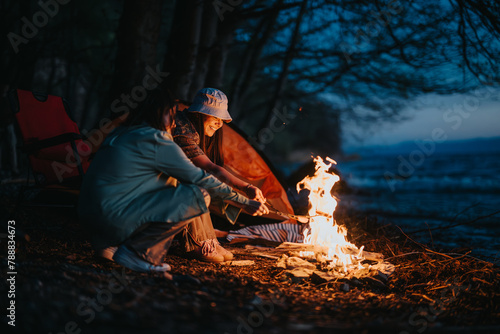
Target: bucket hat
x: 211, y: 101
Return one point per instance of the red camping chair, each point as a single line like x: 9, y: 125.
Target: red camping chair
x: 56, y: 151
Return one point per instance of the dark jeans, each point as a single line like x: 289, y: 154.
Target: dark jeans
x: 152, y: 241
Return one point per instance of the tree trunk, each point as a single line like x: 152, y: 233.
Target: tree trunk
x: 245, y: 75
x: 137, y: 36
x: 280, y: 85
x: 218, y: 56
x: 183, y: 45
x: 17, y: 67
x: 208, y: 36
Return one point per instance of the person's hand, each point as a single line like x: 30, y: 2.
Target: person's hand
x: 255, y: 193
x: 256, y: 208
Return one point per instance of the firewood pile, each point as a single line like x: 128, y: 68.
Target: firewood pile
x: 302, y: 261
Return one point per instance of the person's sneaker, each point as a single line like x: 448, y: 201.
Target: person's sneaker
x: 207, y: 252
x: 106, y: 253
x: 129, y: 259
x: 228, y: 256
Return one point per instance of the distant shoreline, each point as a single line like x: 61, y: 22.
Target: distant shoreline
x: 473, y: 145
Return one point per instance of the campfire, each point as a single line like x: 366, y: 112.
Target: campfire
x: 325, y: 251
x: 328, y: 238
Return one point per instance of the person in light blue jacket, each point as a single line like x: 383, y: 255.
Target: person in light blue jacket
x: 141, y: 190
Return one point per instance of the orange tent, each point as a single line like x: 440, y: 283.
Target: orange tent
x: 244, y: 161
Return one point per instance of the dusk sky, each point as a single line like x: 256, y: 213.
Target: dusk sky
x: 480, y: 118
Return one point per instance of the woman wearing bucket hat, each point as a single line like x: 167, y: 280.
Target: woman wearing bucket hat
x: 199, y: 132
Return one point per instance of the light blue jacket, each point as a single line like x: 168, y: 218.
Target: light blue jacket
x: 132, y: 180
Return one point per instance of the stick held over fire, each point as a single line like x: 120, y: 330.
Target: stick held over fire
x: 300, y: 219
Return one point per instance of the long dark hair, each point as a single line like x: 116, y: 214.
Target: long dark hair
x: 151, y: 109
x: 212, y: 146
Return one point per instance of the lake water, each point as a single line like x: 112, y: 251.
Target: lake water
x: 420, y: 192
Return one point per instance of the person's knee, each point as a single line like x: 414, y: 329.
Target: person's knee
x: 206, y: 196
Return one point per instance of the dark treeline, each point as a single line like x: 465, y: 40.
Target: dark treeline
x: 293, y: 69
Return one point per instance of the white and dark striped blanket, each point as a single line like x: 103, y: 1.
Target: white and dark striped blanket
x: 279, y: 232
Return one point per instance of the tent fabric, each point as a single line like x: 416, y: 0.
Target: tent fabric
x: 244, y: 161
x: 57, y: 151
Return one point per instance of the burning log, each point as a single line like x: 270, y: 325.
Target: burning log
x: 293, y: 247
x: 292, y: 259
x: 239, y: 263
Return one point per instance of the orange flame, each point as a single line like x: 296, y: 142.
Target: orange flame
x: 323, y: 231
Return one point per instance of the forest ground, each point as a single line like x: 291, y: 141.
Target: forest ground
x: 60, y: 287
